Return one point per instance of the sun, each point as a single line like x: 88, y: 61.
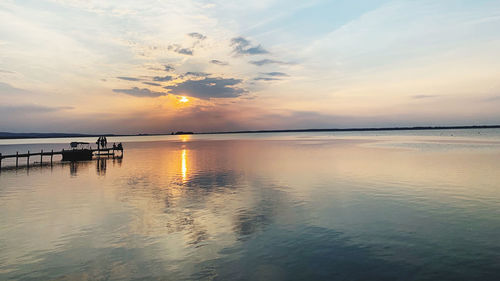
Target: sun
x: 184, y: 99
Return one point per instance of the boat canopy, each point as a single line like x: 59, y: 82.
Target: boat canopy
x: 75, y: 144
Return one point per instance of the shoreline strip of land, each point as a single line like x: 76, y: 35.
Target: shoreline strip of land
x: 9, y: 135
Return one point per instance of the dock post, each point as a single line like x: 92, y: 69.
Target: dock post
x: 17, y: 159
x: 41, y: 157
x: 51, y: 155
x: 28, y: 159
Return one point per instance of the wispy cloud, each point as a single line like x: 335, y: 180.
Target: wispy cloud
x: 424, y: 96
x: 197, y: 35
x: 137, y: 92
x: 218, y: 62
x: 265, y: 79
x: 151, y: 83
x: 277, y: 74
x: 180, y: 50
x: 129, y: 78
x: 163, y: 79
x: 31, y: 108
x: 242, y: 46
x: 8, y: 89
x: 196, y: 74
x: 492, y: 98
x: 267, y: 61
x: 185, y: 51
x: 168, y: 68
x: 208, y: 88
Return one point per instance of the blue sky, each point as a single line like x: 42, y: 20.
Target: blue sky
x: 125, y: 66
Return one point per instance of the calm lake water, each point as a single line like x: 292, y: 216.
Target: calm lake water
x: 410, y: 205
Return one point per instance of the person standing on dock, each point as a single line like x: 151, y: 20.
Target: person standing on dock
x: 103, y: 141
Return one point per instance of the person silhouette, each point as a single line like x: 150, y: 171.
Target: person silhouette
x: 103, y: 142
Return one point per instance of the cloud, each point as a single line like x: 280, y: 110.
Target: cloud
x: 129, y: 78
x: 163, y: 79
x: 136, y: 92
x: 242, y: 46
x: 197, y: 35
x: 256, y: 50
x: 151, y: 83
x: 180, y: 50
x: 196, y: 74
x: 267, y: 61
x: 277, y: 74
x: 218, y: 62
x: 265, y: 79
x: 491, y: 98
x: 424, y: 96
x: 185, y: 51
x: 208, y: 88
x: 168, y: 68
x: 165, y: 67
x: 8, y: 89
x: 30, y: 108
x: 240, y: 41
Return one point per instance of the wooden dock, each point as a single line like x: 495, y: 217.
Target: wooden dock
x: 100, y: 152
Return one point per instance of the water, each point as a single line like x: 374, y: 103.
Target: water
x: 298, y: 206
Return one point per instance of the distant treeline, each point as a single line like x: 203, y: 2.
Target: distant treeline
x: 7, y: 135
x: 364, y: 129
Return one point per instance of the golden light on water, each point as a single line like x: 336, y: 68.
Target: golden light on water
x: 185, y: 138
x: 184, y: 166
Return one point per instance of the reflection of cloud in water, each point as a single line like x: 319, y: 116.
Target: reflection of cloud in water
x: 97, y: 263
x: 259, y: 212
x: 219, y: 180
x: 305, y: 253
x: 248, y: 222
x: 172, y: 207
x: 207, y: 204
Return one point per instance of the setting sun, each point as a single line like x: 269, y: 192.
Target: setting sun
x: 184, y: 99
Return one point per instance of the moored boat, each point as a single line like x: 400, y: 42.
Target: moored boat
x: 79, y: 151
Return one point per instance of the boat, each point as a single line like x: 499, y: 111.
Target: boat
x: 79, y: 151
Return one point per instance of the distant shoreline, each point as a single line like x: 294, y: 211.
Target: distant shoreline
x: 419, y: 128
x: 7, y: 135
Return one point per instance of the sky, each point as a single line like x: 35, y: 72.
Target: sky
x: 127, y: 67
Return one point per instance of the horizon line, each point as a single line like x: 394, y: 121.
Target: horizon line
x: 10, y: 135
